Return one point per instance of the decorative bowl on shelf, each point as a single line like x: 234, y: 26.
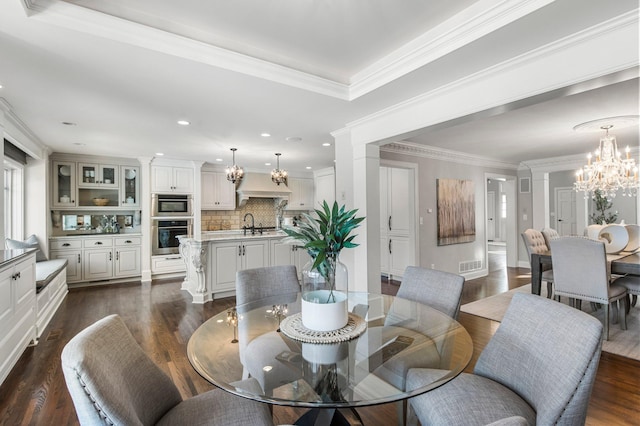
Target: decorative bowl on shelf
x: 100, y: 201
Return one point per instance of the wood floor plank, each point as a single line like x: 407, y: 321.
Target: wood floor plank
x: 162, y: 318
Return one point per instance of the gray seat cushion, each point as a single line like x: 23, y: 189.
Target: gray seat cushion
x: 47, y: 271
x: 485, y: 401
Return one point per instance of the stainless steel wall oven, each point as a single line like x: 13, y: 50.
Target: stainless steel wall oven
x: 164, y: 233
x: 171, y: 205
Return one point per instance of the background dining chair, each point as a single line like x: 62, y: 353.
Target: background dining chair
x: 549, y: 234
x: 271, y: 285
x: 534, y: 242
x: 113, y: 382
x: 540, y: 364
x: 438, y: 289
x: 581, y: 272
x: 253, y: 285
x: 632, y: 284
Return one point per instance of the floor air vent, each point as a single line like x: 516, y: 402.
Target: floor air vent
x: 470, y: 265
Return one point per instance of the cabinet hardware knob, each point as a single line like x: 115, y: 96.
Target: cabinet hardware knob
x: 389, y: 246
x: 128, y: 242
x: 98, y: 243
x: 239, y: 250
x: 66, y: 245
x: 78, y: 258
x: 110, y: 256
x: 389, y: 223
x: 117, y: 255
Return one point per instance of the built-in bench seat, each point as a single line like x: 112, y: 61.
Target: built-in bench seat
x: 51, y: 288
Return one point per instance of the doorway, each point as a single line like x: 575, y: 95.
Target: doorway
x: 500, y: 213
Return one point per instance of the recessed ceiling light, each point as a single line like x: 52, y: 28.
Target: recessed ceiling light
x: 326, y: 144
x: 218, y: 159
x: 265, y: 135
x: 293, y: 139
x: 183, y: 122
x: 159, y: 154
x: 69, y: 123
x: 79, y: 143
x: 267, y: 164
x: 308, y: 167
x: 0, y: 86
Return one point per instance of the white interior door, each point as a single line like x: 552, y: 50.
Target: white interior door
x: 566, y: 211
x: 491, y: 215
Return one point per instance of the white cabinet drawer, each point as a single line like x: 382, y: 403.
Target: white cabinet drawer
x: 97, y: 242
x: 128, y: 241
x: 65, y: 244
x: 166, y: 264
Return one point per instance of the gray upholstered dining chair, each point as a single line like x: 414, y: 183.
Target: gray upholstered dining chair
x: 549, y: 234
x: 113, y: 382
x: 581, y: 273
x: 257, y: 284
x: 262, y: 287
x: 438, y: 289
x: 534, y: 242
x: 540, y: 365
x: 632, y: 284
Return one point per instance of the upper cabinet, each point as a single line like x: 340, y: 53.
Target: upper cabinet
x: 217, y: 192
x: 90, y: 185
x: 97, y: 175
x: 301, y: 197
x: 167, y: 179
x: 64, y: 184
x: 129, y: 186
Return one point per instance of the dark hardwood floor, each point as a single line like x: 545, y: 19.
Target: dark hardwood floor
x: 162, y: 318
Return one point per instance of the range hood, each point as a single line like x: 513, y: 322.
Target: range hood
x: 259, y: 185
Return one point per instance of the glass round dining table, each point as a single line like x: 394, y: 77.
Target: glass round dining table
x: 244, y: 351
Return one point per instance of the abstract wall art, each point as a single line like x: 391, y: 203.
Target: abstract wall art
x: 456, y: 211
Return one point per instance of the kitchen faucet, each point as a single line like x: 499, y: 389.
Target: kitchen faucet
x: 253, y: 224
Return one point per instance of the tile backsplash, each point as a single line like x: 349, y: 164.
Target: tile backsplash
x: 264, y: 210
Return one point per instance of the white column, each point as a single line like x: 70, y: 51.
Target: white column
x: 540, y: 193
x: 197, y: 199
x: 357, y: 186
x: 145, y: 207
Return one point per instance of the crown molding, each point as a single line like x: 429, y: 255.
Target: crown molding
x: 20, y: 135
x: 426, y: 151
x: 478, y: 20
x: 92, y: 22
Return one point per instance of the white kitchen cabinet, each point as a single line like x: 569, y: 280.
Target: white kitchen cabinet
x: 64, y: 192
x: 99, y: 258
x: 396, y: 220
x: 325, y: 187
x: 167, y: 264
x: 288, y: 254
x: 168, y: 179
x: 217, y: 192
x: 245, y: 254
x: 17, y: 309
x: 98, y: 175
x: 302, y: 196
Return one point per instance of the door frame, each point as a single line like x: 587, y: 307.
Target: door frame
x: 511, y: 238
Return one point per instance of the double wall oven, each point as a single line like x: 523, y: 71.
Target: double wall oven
x: 172, y: 216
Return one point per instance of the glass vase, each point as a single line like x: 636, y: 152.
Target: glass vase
x: 324, y: 297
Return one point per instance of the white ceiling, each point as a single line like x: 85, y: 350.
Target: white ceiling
x: 126, y: 71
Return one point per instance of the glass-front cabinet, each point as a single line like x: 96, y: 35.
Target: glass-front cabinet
x: 97, y: 175
x: 64, y: 184
x: 129, y: 186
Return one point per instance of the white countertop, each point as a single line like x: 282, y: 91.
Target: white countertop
x: 239, y: 235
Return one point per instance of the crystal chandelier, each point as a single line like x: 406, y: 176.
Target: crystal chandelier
x: 609, y: 172
x: 278, y: 176
x: 235, y: 172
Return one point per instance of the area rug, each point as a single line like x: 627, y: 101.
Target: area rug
x: 625, y: 343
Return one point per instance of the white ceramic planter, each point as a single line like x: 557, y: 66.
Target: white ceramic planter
x: 319, y: 315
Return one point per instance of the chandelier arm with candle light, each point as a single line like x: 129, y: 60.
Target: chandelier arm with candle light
x: 608, y: 172
x: 235, y: 172
x: 278, y: 176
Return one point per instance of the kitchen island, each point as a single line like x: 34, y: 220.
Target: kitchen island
x: 213, y: 259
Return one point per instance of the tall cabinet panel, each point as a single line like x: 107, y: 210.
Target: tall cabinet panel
x: 64, y: 184
x: 397, y: 220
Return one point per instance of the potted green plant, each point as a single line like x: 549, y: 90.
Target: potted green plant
x: 324, y: 236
